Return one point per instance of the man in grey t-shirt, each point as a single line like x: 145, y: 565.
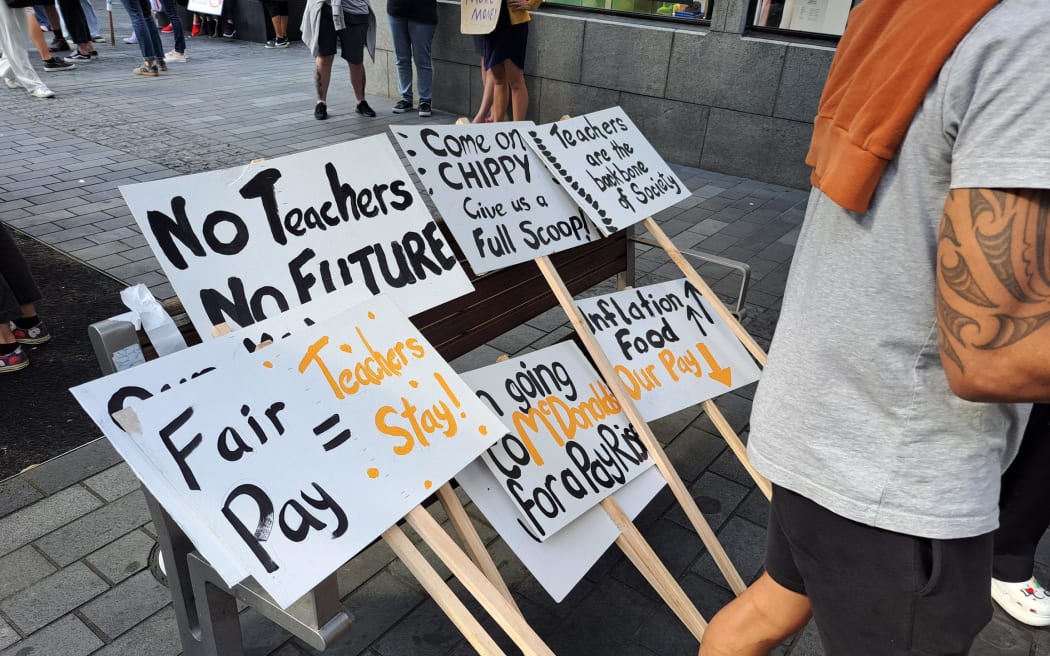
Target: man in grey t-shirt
x: 350, y: 25
x: 908, y: 333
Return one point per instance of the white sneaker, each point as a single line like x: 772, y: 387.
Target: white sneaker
x: 1026, y: 602
x: 12, y: 84
x: 175, y: 56
x: 131, y: 39
x: 42, y: 92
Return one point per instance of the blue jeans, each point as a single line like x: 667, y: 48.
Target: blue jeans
x: 412, y: 41
x: 172, y: 12
x: 89, y: 15
x: 141, y: 14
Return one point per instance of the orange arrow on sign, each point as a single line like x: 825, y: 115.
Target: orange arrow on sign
x: 723, y: 375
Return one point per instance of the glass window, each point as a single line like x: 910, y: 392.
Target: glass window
x: 683, y: 11
x: 827, y: 17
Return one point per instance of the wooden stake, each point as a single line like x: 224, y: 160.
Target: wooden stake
x: 638, y: 551
x: 439, y: 591
x: 692, y: 276
x: 735, y: 443
x: 475, y: 582
x: 472, y: 543
x: 685, y: 499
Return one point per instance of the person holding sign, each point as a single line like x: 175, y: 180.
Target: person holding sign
x: 912, y: 337
x: 504, y: 59
x: 351, y: 25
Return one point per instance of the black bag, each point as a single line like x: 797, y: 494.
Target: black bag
x: 22, y: 4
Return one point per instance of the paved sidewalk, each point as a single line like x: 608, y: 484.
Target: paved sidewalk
x: 75, y: 535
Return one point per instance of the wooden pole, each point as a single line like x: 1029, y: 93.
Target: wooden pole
x: 439, y: 591
x: 720, y: 422
x: 638, y: 551
x: 475, y: 582
x: 472, y: 543
x: 681, y: 493
x: 692, y: 276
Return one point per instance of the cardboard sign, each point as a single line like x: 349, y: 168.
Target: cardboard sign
x: 298, y: 455
x: 669, y: 348
x: 478, y: 16
x: 560, y: 562
x: 606, y: 163
x: 570, y: 445
x: 501, y: 204
x: 244, y: 244
x: 211, y: 7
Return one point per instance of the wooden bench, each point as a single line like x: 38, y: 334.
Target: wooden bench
x: 206, y: 610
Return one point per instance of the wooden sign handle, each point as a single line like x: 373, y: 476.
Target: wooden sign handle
x: 737, y: 445
x: 475, y: 582
x: 674, y: 481
x: 472, y: 543
x: 692, y: 276
x: 637, y: 549
x: 440, y: 592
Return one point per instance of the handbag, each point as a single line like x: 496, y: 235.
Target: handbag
x: 21, y: 4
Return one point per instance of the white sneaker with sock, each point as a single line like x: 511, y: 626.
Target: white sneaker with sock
x: 174, y: 56
x: 1025, y: 601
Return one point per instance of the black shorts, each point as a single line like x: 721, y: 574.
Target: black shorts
x: 351, y: 40
x: 276, y: 7
x: 875, y: 592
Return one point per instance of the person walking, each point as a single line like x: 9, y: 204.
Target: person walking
x: 912, y: 336
x: 412, y: 26
x: 15, y: 68
x: 351, y: 26
x: 148, y: 38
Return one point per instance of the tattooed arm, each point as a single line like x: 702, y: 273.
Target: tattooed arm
x: 993, y: 294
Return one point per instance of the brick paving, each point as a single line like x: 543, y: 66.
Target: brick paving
x: 75, y: 535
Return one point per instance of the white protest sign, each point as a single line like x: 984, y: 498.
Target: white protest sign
x: 606, y: 163
x: 298, y: 455
x: 212, y: 7
x: 129, y: 387
x: 570, y: 446
x: 501, y: 204
x: 670, y: 350
x: 562, y: 560
x: 247, y: 243
x: 478, y: 16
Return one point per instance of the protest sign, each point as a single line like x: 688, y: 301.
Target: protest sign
x: 570, y: 446
x: 668, y: 347
x: 247, y: 243
x: 478, y: 16
x: 493, y: 192
x: 212, y: 7
x: 297, y: 456
x: 562, y: 560
x: 605, y: 162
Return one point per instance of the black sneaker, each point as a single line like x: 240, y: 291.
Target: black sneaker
x: 364, y: 109
x: 56, y: 64
x: 162, y: 66
x: 59, y: 44
x: 424, y: 109
x: 78, y: 57
x: 228, y: 32
x: 402, y: 106
x: 281, y: 42
x: 320, y: 111
x: 270, y: 44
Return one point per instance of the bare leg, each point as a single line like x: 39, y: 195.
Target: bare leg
x: 37, y: 37
x: 757, y: 621
x: 500, y: 92
x: 357, y: 80
x: 486, y: 96
x: 323, y: 76
x: 280, y: 26
x: 519, y: 93
x: 54, y: 19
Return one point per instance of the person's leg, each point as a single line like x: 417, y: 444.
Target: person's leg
x: 500, y: 91
x: 77, y: 25
x: 228, y: 11
x: 91, y: 18
x: 58, y: 42
x: 20, y: 290
x: 519, y: 93
x: 487, y: 87
x: 15, y: 68
x: 41, y: 18
x: 757, y: 621
x: 402, y: 38
x: 171, y: 10
x: 37, y: 37
x: 352, y: 44
x: 323, y: 76
x: 280, y: 22
x: 422, y: 39
x: 1024, y: 516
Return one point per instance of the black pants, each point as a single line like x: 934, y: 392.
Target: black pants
x: 1024, y: 502
x: 16, y: 283
x: 76, y: 22
x: 875, y: 592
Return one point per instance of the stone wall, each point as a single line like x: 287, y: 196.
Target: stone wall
x: 707, y: 97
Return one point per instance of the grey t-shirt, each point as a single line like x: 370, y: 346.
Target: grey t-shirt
x: 355, y: 6
x: 854, y: 410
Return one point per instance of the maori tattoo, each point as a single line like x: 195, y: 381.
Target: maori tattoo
x: 993, y: 274
x: 317, y: 82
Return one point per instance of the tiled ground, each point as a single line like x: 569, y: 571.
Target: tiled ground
x: 74, y: 532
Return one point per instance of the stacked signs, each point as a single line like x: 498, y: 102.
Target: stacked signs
x: 244, y: 244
